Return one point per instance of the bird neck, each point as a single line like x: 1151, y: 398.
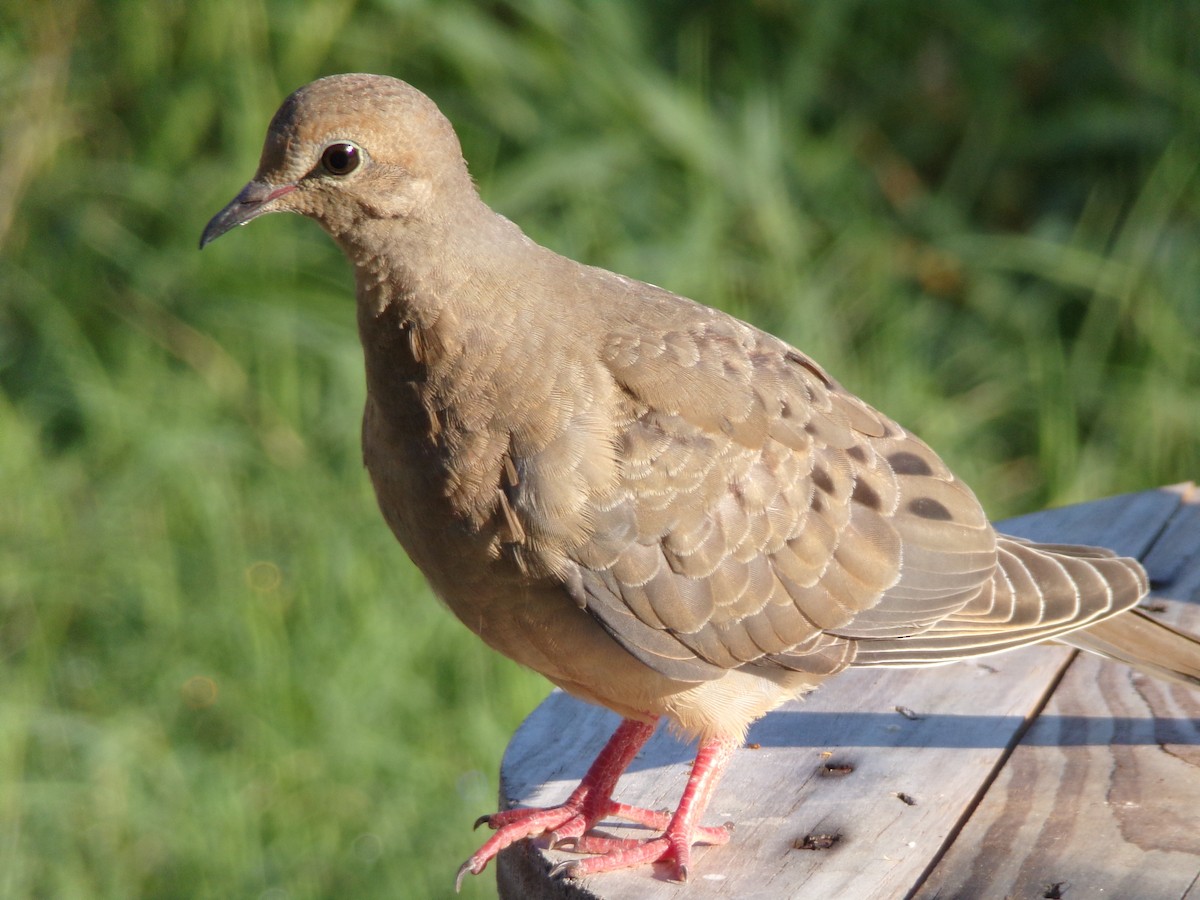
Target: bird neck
x: 425, y: 266
x: 439, y: 300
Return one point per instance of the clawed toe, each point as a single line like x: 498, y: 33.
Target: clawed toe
x: 567, y: 830
x: 569, y: 827
x: 624, y: 854
x: 564, y: 869
x: 467, y: 868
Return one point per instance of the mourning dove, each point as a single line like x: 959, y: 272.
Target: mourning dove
x: 657, y: 506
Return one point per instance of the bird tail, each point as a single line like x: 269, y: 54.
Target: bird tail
x: 1136, y: 639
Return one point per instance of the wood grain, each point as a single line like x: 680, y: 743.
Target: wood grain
x: 1102, y: 796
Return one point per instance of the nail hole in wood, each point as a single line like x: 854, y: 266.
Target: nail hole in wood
x: 836, y: 769
x: 817, y: 841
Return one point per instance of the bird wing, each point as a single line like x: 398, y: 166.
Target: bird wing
x: 763, y: 515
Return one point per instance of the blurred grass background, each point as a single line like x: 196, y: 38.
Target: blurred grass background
x: 219, y: 677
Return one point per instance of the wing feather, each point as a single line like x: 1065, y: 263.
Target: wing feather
x: 761, y: 515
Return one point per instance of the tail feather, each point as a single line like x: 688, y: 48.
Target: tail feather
x: 1081, y: 596
x: 1038, y: 592
x: 1136, y: 639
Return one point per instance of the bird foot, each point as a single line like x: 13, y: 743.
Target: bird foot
x: 568, y: 827
x: 590, y: 802
x: 673, y: 848
x: 511, y: 825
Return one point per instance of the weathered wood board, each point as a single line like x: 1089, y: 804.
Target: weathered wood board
x: 1017, y: 775
x: 1102, y: 796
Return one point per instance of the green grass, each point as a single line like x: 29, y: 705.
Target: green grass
x: 219, y: 676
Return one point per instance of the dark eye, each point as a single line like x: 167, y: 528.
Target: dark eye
x: 341, y: 158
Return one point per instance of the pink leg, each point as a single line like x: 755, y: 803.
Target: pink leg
x: 588, y: 803
x: 681, y: 832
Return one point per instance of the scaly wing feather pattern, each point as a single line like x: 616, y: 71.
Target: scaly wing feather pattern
x: 767, y: 517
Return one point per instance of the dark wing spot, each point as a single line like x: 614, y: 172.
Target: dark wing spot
x: 866, y: 495
x: 822, y: 480
x: 928, y: 508
x: 857, y: 452
x: 905, y: 463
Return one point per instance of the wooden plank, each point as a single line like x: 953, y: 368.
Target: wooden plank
x: 778, y: 793
x: 1174, y: 560
x: 970, y: 715
x: 1102, y: 796
x: 1127, y: 523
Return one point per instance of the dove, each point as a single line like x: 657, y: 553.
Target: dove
x: 660, y: 508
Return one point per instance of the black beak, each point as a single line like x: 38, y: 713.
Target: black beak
x: 253, y: 201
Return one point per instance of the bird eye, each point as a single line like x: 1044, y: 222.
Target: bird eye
x: 341, y: 158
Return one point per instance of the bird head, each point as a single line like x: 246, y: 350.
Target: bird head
x: 348, y: 150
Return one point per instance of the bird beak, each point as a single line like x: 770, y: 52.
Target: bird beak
x: 255, y: 199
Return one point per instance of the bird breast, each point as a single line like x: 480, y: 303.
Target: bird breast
x: 485, y: 435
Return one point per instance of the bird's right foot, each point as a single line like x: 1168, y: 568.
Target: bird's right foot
x: 512, y: 825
